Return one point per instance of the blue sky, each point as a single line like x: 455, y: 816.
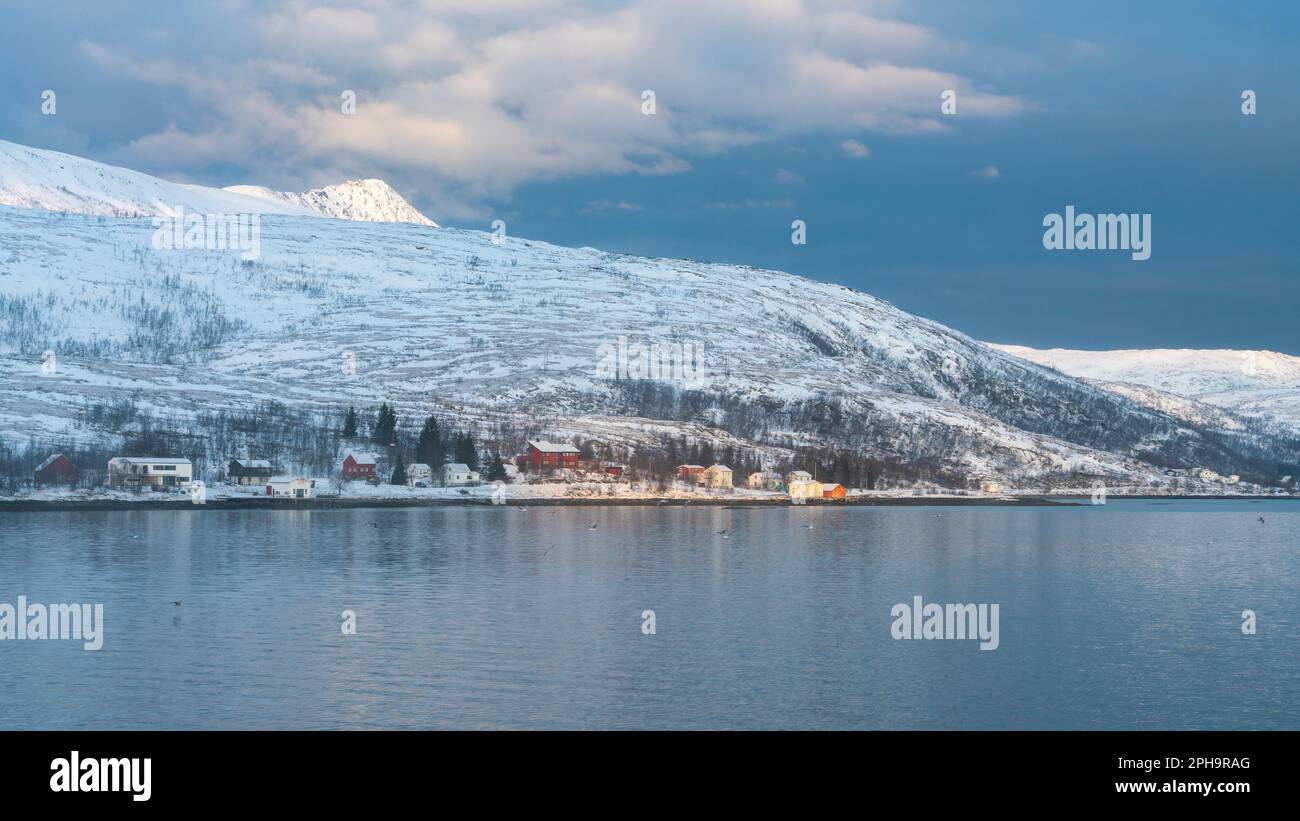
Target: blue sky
x: 530, y: 112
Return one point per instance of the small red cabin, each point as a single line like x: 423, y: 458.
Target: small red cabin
x: 616, y: 471
x: 56, y: 470
x: 833, y: 492
x: 549, y: 456
x: 691, y: 473
x: 358, y: 466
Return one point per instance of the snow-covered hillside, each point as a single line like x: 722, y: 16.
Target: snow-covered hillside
x: 360, y: 200
x: 1248, y: 383
x: 521, y: 335
x: 51, y: 181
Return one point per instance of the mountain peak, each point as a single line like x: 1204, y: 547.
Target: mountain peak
x: 46, y: 180
x: 369, y: 200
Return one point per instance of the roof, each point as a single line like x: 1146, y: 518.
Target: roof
x: 457, y: 467
x: 691, y: 467
x: 360, y: 458
x: 551, y: 447
x: 418, y: 467
x: 284, y: 480
x: 721, y: 467
x: 253, y: 463
x: 150, y: 460
x: 49, y: 460
x: 800, y: 474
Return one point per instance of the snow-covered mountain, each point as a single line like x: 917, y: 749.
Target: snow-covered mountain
x: 52, y: 181
x: 520, y: 336
x: 1258, y: 384
x: 360, y: 200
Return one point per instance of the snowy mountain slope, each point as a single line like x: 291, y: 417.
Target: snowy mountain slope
x: 1247, y: 383
x: 360, y: 200
x: 449, y: 321
x: 51, y: 181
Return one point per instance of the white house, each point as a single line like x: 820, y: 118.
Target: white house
x: 798, y: 476
x: 291, y: 487
x: 458, y: 474
x: 150, y: 471
x: 806, y: 489
x: 419, y: 472
x: 764, y: 480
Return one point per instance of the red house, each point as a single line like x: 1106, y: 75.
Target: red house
x: 616, y: 471
x: 56, y: 470
x: 358, y: 466
x: 833, y: 492
x: 549, y: 456
x: 691, y: 473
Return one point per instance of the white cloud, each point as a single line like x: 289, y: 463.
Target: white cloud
x: 988, y: 172
x: 854, y: 148
x: 464, y: 101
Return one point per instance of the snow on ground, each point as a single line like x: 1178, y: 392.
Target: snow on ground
x: 453, y: 322
x: 1251, y: 383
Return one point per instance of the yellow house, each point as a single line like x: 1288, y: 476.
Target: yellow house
x: 717, y: 476
x: 801, y: 489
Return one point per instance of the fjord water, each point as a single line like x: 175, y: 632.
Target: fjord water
x: 1126, y: 615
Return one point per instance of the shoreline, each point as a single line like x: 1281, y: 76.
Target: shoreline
x: 333, y: 503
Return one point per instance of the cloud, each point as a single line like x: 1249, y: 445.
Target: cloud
x: 853, y: 148
x: 988, y: 172
x: 788, y: 177
x: 462, y: 102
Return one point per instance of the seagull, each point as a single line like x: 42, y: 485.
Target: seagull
x: 938, y: 516
x: 521, y: 507
x: 547, y: 550
x: 808, y: 526
x: 177, y: 602
x: 1261, y: 520
x: 593, y: 527
x: 722, y: 533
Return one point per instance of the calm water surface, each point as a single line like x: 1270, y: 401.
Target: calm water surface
x: 1122, y: 616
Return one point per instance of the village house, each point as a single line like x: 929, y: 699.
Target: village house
x: 990, y: 486
x: 458, y: 474
x: 249, y: 471
x: 806, y: 488
x: 798, y: 476
x: 55, y: 470
x: 834, y: 491
x: 765, y: 480
x: 358, y: 466
x: 691, y: 473
x: 718, y: 476
x: 418, y: 472
x: 541, y: 456
x: 152, y: 471
x: 291, y: 487
x: 614, y: 471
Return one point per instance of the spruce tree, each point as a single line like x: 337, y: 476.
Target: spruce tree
x: 399, y: 469
x: 430, y: 449
x: 497, y: 471
x: 350, y: 422
x: 385, y: 430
